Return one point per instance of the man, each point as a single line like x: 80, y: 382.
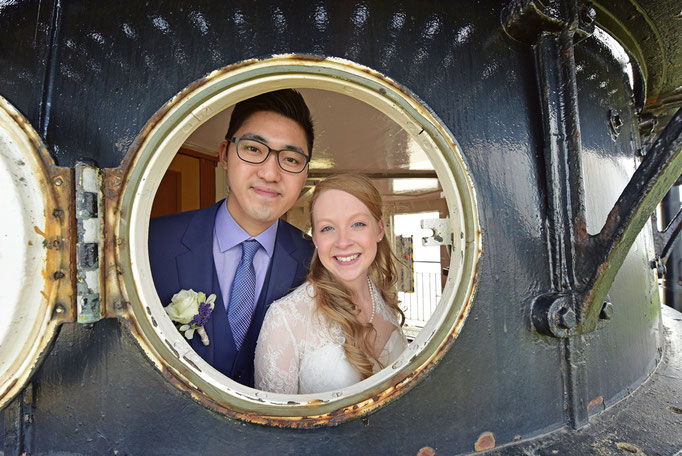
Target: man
x: 237, y: 248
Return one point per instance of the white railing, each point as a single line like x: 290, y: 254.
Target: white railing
x: 420, y: 304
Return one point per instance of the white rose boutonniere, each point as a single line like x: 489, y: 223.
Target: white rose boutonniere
x: 190, y: 311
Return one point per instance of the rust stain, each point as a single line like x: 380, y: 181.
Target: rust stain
x: 426, y: 451
x: 597, y: 401
x: 486, y: 441
x: 59, y: 253
x: 630, y: 448
x: 39, y: 231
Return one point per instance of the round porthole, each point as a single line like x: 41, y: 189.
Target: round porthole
x: 145, y: 166
x: 32, y: 252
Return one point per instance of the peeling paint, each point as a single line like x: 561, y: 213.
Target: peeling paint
x: 486, y: 441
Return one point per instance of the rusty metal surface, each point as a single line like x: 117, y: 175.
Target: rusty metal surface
x: 624, y: 428
x: 57, y: 272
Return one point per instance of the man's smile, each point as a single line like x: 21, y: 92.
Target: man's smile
x: 266, y: 191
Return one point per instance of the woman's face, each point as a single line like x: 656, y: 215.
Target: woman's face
x: 346, y: 235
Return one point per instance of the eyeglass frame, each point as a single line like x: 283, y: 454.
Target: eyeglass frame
x: 236, y: 139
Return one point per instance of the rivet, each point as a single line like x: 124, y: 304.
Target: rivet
x: 58, y: 181
x: 59, y: 309
x: 58, y: 275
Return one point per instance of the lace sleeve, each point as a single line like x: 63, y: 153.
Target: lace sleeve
x: 277, y: 358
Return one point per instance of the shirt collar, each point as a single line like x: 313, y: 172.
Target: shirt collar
x: 230, y: 234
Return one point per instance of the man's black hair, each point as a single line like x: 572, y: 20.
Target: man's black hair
x: 286, y: 102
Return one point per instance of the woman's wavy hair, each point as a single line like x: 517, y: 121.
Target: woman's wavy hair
x: 333, y: 299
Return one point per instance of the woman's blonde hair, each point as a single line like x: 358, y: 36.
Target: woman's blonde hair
x: 333, y: 299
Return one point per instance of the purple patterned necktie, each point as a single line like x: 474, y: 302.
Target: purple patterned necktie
x: 243, y: 293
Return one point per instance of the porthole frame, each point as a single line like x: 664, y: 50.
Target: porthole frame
x: 150, y: 156
x: 44, y: 258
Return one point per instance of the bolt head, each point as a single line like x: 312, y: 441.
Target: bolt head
x: 606, y: 311
x: 567, y: 318
x: 588, y: 15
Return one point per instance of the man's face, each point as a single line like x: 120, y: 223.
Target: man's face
x: 260, y: 194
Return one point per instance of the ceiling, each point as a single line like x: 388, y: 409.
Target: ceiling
x: 350, y: 136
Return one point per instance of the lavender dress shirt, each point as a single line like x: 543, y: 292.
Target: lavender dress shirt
x: 227, y: 251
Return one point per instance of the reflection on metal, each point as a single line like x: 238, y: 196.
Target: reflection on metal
x: 524, y: 20
x: 601, y: 256
x: 649, y: 30
x: 36, y: 261
x: 89, y: 244
x: 128, y: 194
x: 442, y: 232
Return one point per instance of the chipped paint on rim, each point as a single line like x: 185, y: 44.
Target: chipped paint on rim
x: 35, y: 265
x: 139, y: 178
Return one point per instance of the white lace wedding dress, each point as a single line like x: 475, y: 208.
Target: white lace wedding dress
x: 299, y: 352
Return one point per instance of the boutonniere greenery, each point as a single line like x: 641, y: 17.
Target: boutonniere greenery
x: 189, y: 310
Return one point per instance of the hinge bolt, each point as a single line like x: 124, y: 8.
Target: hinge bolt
x: 588, y: 15
x: 567, y: 318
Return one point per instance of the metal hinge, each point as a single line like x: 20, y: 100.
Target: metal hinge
x: 442, y: 232
x: 89, y: 245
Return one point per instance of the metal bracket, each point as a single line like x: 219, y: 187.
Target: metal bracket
x: 525, y: 20
x: 552, y: 314
x: 89, y: 246
x: 442, y: 232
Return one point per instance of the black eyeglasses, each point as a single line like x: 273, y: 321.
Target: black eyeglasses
x: 255, y: 152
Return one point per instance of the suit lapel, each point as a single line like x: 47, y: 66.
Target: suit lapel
x: 196, y: 270
x: 283, y: 267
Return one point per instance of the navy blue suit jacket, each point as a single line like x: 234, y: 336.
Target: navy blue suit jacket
x: 181, y: 257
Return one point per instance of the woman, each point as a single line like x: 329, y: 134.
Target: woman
x: 342, y: 325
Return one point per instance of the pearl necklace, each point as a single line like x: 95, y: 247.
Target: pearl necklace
x: 374, y: 304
